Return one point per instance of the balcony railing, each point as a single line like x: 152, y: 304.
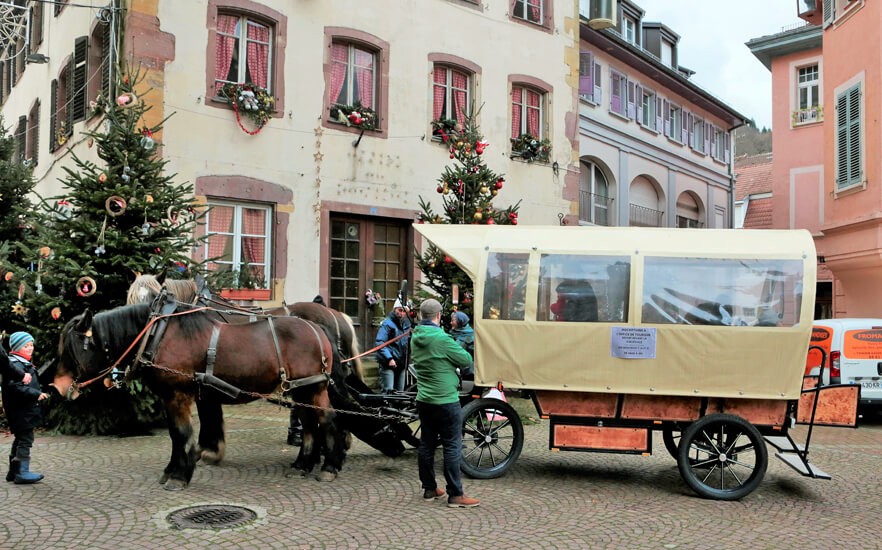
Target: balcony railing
x: 594, y: 208
x: 642, y: 216
x: 685, y: 222
x: 805, y: 116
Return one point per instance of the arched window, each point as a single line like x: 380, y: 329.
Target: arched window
x: 594, y: 200
x: 688, y: 211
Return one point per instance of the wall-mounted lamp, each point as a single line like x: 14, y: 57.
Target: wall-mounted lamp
x: 36, y: 58
x: 555, y: 168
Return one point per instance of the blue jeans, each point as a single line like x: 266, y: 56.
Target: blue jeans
x: 440, y: 423
x: 392, y: 379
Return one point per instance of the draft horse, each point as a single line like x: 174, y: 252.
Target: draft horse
x: 192, y: 354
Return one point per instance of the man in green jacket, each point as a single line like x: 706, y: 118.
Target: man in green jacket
x: 436, y: 357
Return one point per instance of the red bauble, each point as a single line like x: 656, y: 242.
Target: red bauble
x: 440, y: 189
x: 479, y: 150
x: 448, y: 260
x: 491, y: 221
x: 499, y: 184
x: 451, y: 155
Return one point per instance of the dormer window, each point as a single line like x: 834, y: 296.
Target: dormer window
x: 629, y: 28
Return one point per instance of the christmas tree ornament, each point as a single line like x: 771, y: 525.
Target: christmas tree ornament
x: 127, y: 100
x: 55, y: 313
x: 102, y: 177
x: 478, y: 215
x: 145, y: 229
x: 147, y: 141
x: 44, y: 251
x: 21, y: 290
x: 483, y: 189
x: 99, y: 250
x: 149, y: 198
x: 125, y: 178
x: 19, y: 309
x: 90, y: 142
x: 115, y: 206
x: 63, y: 210
x: 172, y: 216
x: 9, y: 275
x: 86, y: 286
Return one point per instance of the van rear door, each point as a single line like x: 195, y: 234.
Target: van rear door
x: 861, y: 362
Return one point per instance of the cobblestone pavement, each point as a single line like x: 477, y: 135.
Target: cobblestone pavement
x: 102, y: 492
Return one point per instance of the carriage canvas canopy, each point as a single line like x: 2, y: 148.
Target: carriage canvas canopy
x: 655, y: 311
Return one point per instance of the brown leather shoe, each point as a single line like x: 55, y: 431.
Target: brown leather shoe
x: 432, y: 494
x: 462, y: 501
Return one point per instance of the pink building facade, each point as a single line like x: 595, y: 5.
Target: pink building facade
x: 826, y: 171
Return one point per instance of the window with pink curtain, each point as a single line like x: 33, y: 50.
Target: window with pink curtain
x: 364, y: 77
x: 339, y: 67
x: 450, y: 94
x: 254, y: 240
x: 439, y: 93
x: 530, y: 10
x: 516, y: 108
x: 251, y: 66
x: 257, y: 54
x: 533, y: 111
x: 237, y: 236
x: 460, y: 85
x: 219, y: 245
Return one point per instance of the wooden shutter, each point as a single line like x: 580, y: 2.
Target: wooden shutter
x: 598, y: 90
x: 53, y: 115
x: 68, y: 97
x: 21, y: 132
x: 106, y: 61
x: 2, y: 82
x: 34, y: 134
x: 79, y: 78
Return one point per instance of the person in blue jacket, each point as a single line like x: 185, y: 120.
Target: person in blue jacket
x: 393, y: 357
x: 464, y: 335
x: 21, y: 403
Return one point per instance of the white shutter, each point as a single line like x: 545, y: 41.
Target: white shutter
x: 598, y: 94
x: 690, y: 121
x: 684, y: 126
x: 666, y: 114
x: 632, y: 112
x: 659, y: 113
x: 829, y: 12
x: 707, y: 132
x: 638, y: 94
x: 728, y: 145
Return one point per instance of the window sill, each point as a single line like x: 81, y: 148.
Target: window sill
x: 352, y: 127
x: 620, y: 115
x: 254, y: 294
x: 649, y: 129
x: 851, y: 189
x: 675, y: 141
x: 795, y: 125
x: 589, y: 100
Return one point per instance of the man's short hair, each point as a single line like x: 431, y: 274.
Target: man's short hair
x: 429, y: 308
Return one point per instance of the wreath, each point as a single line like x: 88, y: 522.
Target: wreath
x: 254, y: 102
x: 356, y: 115
x: 530, y: 148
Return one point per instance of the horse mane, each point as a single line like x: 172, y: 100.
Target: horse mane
x: 195, y: 323
x: 183, y: 290
x: 143, y: 289
x: 115, y: 329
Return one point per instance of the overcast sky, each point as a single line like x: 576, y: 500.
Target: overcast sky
x: 712, y: 36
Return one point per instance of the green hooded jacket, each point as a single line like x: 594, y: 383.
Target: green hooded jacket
x: 436, y: 357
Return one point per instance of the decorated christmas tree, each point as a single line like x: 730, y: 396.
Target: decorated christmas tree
x: 467, y: 188
x: 16, y: 219
x: 112, y: 221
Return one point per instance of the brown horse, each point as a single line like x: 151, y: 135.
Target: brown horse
x: 197, y: 355
x: 146, y: 287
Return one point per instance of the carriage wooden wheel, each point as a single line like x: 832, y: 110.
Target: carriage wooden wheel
x: 492, y: 438
x: 722, y: 456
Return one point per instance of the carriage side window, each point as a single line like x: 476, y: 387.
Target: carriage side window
x: 577, y: 288
x: 239, y: 242
x: 505, y: 286
x: 724, y: 292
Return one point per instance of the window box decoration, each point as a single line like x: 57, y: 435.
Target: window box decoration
x: 529, y: 148
x: 355, y: 115
x: 255, y: 294
x: 253, y: 102
x: 445, y: 129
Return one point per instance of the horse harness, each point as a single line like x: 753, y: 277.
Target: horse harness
x: 339, y: 333
x: 150, y: 345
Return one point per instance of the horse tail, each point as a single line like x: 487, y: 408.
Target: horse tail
x: 143, y: 289
x: 354, y: 347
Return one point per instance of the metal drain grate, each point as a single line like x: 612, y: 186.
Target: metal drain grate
x: 212, y: 516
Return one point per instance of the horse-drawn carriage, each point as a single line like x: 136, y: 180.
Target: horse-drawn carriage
x: 619, y: 333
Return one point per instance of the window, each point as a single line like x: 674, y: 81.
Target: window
x: 673, y: 121
x: 59, y: 5
x: 646, y: 109
x: 2, y: 82
x: 729, y: 292
x: 353, y: 75
x: 667, y: 53
x: 849, y: 142
x: 719, y: 143
x: 239, y: 238
x: 688, y: 211
x: 808, y: 96
x: 526, y: 111
x: 529, y: 10
x: 505, y: 286
x: 618, y: 93
x: 594, y: 201
x: 589, y: 78
x: 451, y: 95
x: 698, y: 135
x: 589, y: 289
x: 36, y: 26
x: 21, y: 133
x: 243, y: 54
x: 629, y: 29
x: 100, y: 62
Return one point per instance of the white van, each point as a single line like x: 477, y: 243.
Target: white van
x: 854, y: 351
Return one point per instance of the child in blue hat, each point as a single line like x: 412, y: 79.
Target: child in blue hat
x: 21, y: 397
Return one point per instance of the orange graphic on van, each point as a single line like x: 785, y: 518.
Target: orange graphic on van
x: 862, y: 344
x: 822, y: 338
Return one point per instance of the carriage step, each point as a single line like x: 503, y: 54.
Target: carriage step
x: 784, y: 444
x: 795, y: 462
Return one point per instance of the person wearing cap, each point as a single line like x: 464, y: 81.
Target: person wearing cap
x: 392, y: 357
x: 21, y: 403
x: 436, y: 357
x: 464, y: 335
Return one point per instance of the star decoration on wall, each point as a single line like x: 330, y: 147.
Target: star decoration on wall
x: 318, y: 156
x: 319, y: 131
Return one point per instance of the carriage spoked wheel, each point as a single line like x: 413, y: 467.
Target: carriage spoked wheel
x: 492, y: 438
x: 722, y: 457
x: 671, y: 440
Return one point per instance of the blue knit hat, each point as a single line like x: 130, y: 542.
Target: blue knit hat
x: 461, y: 318
x: 18, y: 340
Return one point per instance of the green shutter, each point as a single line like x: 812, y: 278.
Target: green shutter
x: 848, y: 137
x: 80, y: 76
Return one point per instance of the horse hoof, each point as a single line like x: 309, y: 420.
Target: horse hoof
x: 325, y: 476
x: 294, y: 472
x: 175, y: 485
x: 347, y: 441
x: 210, y: 457
x: 163, y: 478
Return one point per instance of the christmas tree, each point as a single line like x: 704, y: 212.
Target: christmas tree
x: 16, y: 183
x: 468, y: 189
x: 112, y: 222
